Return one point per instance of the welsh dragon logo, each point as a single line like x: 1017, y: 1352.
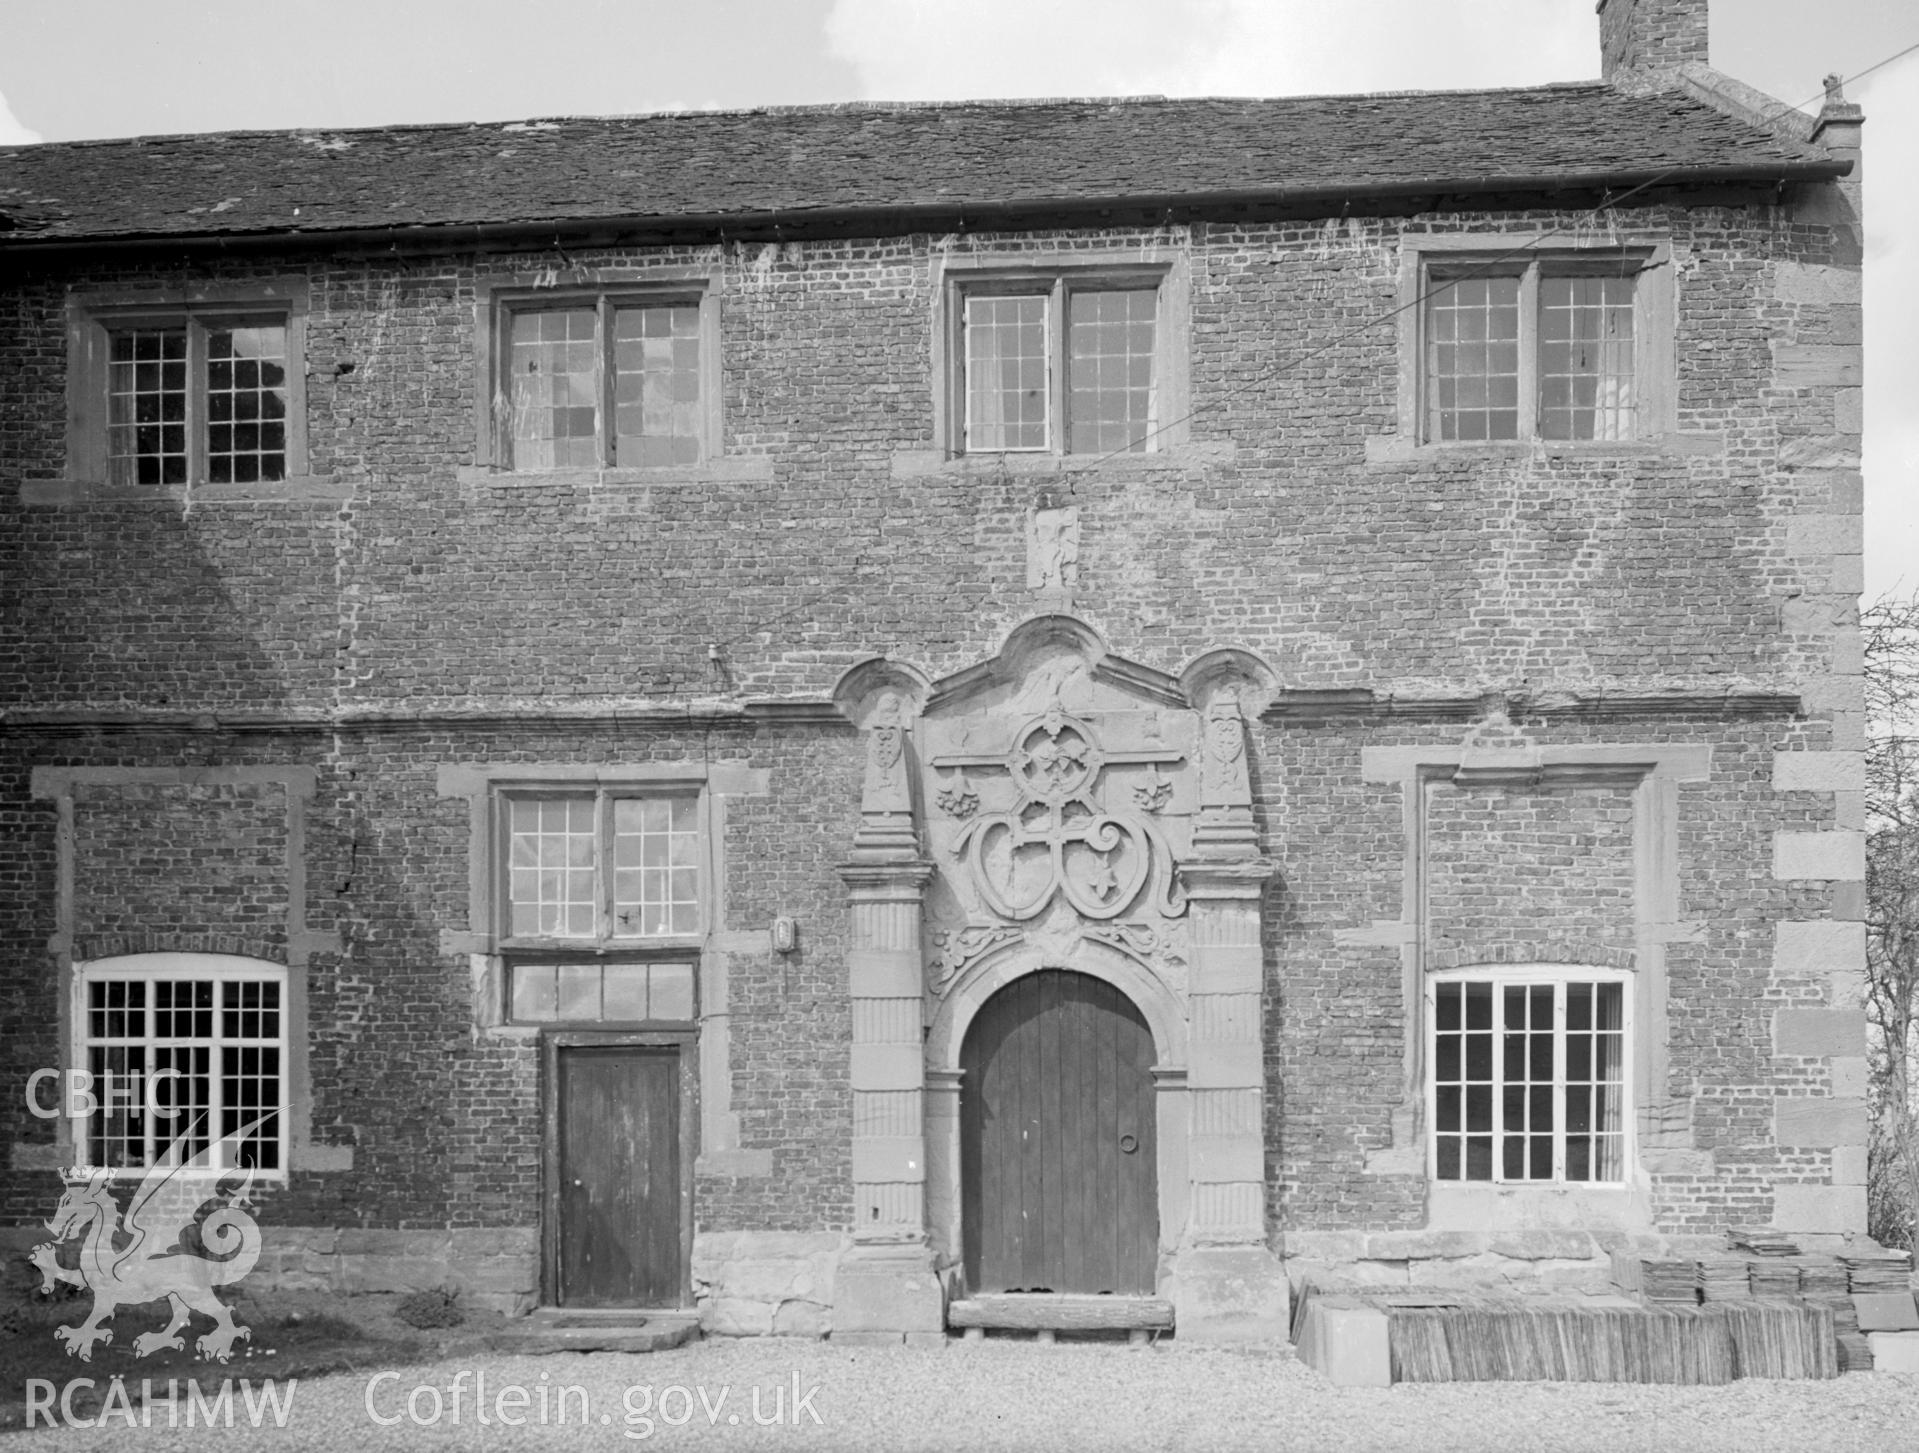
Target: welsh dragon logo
x: 138, y: 1256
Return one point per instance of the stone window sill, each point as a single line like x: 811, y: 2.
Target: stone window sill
x: 1487, y: 1205
x: 718, y: 471
x: 1394, y: 449
x: 303, y: 489
x: 915, y: 463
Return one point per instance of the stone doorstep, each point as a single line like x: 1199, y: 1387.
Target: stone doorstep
x: 1047, y: 1314
x: 596, y: 1329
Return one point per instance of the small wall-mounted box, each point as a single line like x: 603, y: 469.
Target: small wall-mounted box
x: 786, y: 935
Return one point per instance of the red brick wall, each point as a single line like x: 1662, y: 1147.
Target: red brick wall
x: 1628, y: 571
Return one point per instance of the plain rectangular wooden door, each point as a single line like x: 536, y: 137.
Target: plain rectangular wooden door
x: 1058, y: 1166
x: 619, y: 1177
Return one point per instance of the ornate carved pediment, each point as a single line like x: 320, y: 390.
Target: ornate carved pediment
x: 1059, y: 791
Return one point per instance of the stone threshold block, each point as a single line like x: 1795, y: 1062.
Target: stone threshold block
x: 1062, y: 1313
x: 1346, y: 1343
x: 1894, y: 1351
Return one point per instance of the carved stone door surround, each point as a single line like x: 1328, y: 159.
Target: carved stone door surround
x: 1056, y: 806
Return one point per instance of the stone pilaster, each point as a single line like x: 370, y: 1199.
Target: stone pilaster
x: 888, y: 1071
x: 1229, y: 1284
x: 886, y: 1288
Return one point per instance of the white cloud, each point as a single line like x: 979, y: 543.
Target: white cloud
x: 12, y: 133
x: 955, y: 49
x: 943, y: 50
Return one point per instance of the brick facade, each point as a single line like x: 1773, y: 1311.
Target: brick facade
x: 1675, y: 615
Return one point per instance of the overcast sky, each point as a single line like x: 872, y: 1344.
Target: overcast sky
x: 72, y: 69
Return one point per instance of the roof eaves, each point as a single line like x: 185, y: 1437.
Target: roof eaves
x: 957, y: 211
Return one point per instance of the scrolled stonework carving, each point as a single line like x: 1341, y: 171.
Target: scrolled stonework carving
x: 957, y: 949
x: 1057, y: 840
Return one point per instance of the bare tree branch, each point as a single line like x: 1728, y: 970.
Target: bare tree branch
x: 1890, y: 636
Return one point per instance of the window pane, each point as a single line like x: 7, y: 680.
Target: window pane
x: 672, y: 991
x: 650, y: 897
x: 246, y: 380
x: 1479, y: 1157
x: 625, y: 992
x: 658, y: 414
x: 534, y: 992
x: 1586, y: 357
x: 147, y: 406
x: 1472, y: 365
x: 578, y: 992
x: 554, y: 388
x: 1110, y: 370
x: 1479, y: 1006
x: 1007, y: 368
x: 550, y: 867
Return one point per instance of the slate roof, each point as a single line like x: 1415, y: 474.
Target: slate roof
x: 712, y: 168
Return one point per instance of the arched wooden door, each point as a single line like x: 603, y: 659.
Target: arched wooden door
x: 1058, y: 1158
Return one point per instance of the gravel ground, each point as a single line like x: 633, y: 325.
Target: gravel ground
x: 1013, y: 1394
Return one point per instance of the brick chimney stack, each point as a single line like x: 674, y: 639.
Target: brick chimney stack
x: 1650, y: 39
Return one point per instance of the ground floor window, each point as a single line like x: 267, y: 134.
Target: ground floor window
x: 187, y: 1056
x: 1528, y: 1075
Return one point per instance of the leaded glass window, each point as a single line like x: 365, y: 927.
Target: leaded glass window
x: 1061, y: 365
x: 594, y: 867
x: 1520, y: 348
x: 201, y: 400
x: 606, y: 383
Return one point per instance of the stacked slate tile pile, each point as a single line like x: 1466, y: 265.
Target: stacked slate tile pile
x: 1670, y: 1281
x: 1575, y: 1339
x: 1761, y: 1241
x: 1776, y: 1278
x: 1725, y: 1279
x: 1880, y: 1283
x: 1878, y: 1271
x: 1824, y: 1282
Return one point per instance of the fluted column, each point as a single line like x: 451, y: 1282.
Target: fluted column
x: 885, y: 983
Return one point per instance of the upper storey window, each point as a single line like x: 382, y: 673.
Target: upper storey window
x: 201, y: 399
x: 1067, y: 359
x: 613, y: 380
x: 1066, y: 368
x: 1520, y: 344
x: 599, y: 867
x: 207, y: 390
x: 1529, y: 355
